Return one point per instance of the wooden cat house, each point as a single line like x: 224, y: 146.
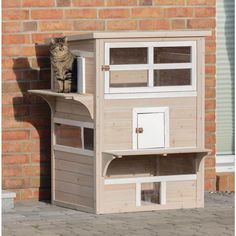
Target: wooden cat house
x: 132, y: 138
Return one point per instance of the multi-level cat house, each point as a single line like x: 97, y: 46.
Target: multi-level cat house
x: 133, y: 138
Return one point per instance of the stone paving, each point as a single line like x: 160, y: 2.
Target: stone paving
x: 38, y: 218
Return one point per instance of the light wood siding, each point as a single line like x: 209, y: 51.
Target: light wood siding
x: 74, y: 179
x: 71, y: 110
x: 118, y: 121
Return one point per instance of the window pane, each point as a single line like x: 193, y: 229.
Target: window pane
x: 68, y: 135
x: 120, y: 56
x: 174, y: 77
x: 150, y: 193
x: 88, y: 139
x: 131, y: 78
x: 172, y: 54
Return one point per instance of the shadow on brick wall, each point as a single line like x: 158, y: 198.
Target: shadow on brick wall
x: 34, y: 114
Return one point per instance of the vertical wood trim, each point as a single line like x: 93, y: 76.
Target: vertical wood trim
x: 199, y: 163
x: 150, y: 62
x: 138, y: 194
x: 163, y: 193
x: 81, y: 83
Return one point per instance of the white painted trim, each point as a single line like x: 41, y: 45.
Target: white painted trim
x: 176, y: 94
x: 151, y: 179
x: 80, y: 53
x: 63, y: 148
x: 163, y: 193
x: 138, y: 194
x: 81, y: 83
x: 140, y: 110
x: 150, y: 67
x: 225, y: 163
x: 73, y: 123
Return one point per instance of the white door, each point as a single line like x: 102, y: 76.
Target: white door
x: 151, y: 130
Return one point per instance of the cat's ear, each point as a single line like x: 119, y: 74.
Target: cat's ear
x: 52, y: 41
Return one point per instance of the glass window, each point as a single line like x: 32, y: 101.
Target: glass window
x: 172, y: 55
x: 88, y: 139
x: 130, y: 78
x: 150, y: 193
x: 68, y: 135
x: 122, y: 56
x: 173, y: 77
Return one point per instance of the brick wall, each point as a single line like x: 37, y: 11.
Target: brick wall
x: 26, y: 119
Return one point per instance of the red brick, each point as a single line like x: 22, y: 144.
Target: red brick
x: 11, y: 51
x: 210, y: 92
x: 210, y: 104
x: 210, y: 173
x: 88, y: 3
x: 122, y: 3
x: 145, y: 2
x: 210, y: 127
x: 40, y: 37
x: 11, y: 27
x: 15, y: 134
x: 38, y: 3
x: 178, y: 12
x: 204, y: 12
x: 201, y: 2
x: 210, y: 82
x: 15, y: 159
x: 11, y: 171
x: 11, y: 3
x: 16, y: 110
x: 178, y: 24
x: 210, y: 116
x: 169, y: 2
x: 55, y: 25
x: 35, y: 170
x: 39, y: 182
x: 154, y: 24
x: 15, y: 87
x: 36, y: 158
x: 210, y: 59
x: 201, y: 23
x: 122, y: 25
x: 63, y: 3
x: 35, y: 193
x: 30, y: 26
x: 210, y: 47
x: 210, y: 139
x: 210, y: 185
x: 89, y: 25
x: 46, y: 14
x: 147, y: 12
x: 113, y: 13
x: 7, y: 98
x: 20, y: 146
x: 210, y: 70
x: 15, y: 39
x: 16, y: 183
x: 231, y: 182
x: 14, y: 14
x: 210, y: 162
x: 222, y: 182
x: 81, y: 13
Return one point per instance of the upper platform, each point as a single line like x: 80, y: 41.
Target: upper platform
x: 139, y: 34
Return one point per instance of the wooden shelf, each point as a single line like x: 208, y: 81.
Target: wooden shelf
x: 110, y: 155
x: 85, y: 99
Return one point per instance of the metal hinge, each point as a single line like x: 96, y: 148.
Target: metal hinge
x: 139, y: 130
x: 105, y: 67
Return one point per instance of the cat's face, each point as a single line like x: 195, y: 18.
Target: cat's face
x: 58, y: 46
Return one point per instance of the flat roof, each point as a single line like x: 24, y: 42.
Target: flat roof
x: 139, y: 34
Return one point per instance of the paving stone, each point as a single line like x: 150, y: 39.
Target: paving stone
x: 43, y: 219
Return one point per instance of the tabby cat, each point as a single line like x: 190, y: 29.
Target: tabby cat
x: 62, y: 62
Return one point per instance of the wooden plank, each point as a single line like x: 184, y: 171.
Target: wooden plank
x: 71, y: 157
x: 74, y: 178
x: 80, y: 117
x: 76, y: 189
x: 74, y: 199
x: 90, y: 75
x: 74, y: 167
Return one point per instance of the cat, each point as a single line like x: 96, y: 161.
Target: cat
x: 62, y: 61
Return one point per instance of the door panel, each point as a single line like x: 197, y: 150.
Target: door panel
x: 152, y: 133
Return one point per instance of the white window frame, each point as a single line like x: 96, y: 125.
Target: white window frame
x: 69, y: 149
x: 150, y: 67
x: 140, y: 110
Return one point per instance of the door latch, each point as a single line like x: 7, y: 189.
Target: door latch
x: 139, y: 130
x: 105, y: 67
